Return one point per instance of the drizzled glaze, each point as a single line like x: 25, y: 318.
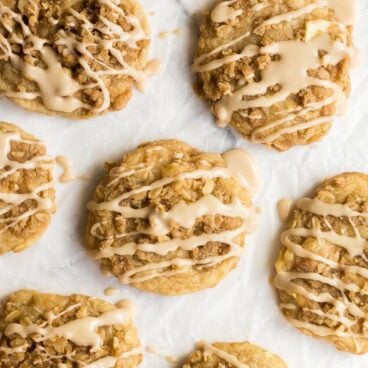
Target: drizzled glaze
x: 13, y: 200
x: 110, y: 361
x: 224, y: 12
x: 56, y: 87
x: 66, y: 176
x: 209, y: 349
x: 82, y: 332
x: 242, y: 166
x: 353, y: 245
x: 291, y: 15
x: 296, y: 58
x: 284, y: 206
x: 344, y: 10
x: 183, y: 214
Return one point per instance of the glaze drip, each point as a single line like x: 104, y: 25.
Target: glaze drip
x: 223, y: 12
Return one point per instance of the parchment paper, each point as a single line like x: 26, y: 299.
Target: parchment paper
x: 244, y: 305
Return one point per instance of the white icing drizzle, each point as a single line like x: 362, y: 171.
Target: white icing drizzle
x: 9, y: 167
x: 256, y: 135
x: 291, y: 15
x: 168, y: 246
x: 344, y: 311
x: 50, y: 316
x: 66, y: 176
x: 82, y: 332
x: 110, y: 361
x: 345, y: 10
x: 199, y: 66
x: 229, y: 358
x: 284, y: 206
x: 223, y: 12
x: 56, y: 87
x: 296, y: 58
x: 119, y: 172
x: 321, y: 208
x: 239, y: 165
x: 242, y: 166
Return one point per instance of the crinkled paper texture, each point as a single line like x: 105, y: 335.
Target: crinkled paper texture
x: 243, y: 306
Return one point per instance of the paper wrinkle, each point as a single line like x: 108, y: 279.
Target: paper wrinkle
x: 244, y: 305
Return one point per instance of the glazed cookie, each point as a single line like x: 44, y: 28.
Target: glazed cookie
x: 276, y: 71
x: 76, y: 58
x: 48, y: 330
x: 171, y: 219
x: 322, y: 270
x: 27, y: 196
x: 232, y: 355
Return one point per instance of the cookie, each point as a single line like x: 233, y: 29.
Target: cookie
x: 171, y: 219
x: 27, y: 195
x: 49, y: 330
x: 75, y: 58
x: 232, y: 355
x: 322, y: 269
x: 277, y: 72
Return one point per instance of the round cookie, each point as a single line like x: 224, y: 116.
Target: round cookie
x: 48, y: 330
x: 171, y: 219
x: 322, y: 270
x: 275, y: 71
x: 232, y: 355
x: 76, y: 58
x: 27, y: 195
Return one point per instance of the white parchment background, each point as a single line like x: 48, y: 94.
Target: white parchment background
x: 243, y: 306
